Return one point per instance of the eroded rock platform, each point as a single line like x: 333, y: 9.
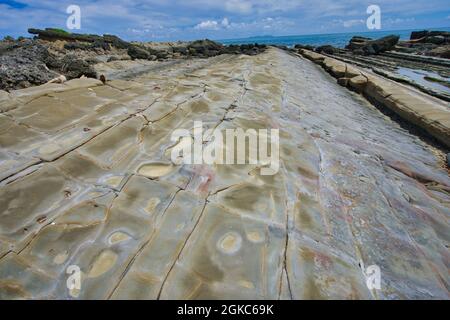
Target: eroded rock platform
x: 87, y: 181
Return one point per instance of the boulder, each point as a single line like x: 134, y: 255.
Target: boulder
x: 136, y: 52
x: 205, y: 48
x: 24, y: 64
x: 181, y: 50
x: 363, y: 46
x: 435, y: 39
x: 77, y: 46
x: 441, y: 52
x: 249, y: 49
x: 307, y: 47
x: 357, y: 42
x: 74, y: 67
x: 328, y: 49
x: 418, y: 34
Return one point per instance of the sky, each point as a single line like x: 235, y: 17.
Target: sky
x: 161, y: 20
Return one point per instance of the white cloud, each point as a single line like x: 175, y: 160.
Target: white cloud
x: 208, y: 25
x: 225, y: 23
x: 399, y: 20
x: 352, y: 23
x: 213, y: 24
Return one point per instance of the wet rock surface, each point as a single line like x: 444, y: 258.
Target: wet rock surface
x: 87, y: 181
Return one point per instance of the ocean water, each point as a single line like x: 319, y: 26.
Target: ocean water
x: 339, y: 40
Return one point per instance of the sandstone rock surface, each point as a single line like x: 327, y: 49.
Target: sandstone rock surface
x: 428, y: 113
x: 87, y: 181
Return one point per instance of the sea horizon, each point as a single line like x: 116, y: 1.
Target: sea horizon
x: 338, y: 39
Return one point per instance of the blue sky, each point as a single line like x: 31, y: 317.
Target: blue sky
x: 157, y: 20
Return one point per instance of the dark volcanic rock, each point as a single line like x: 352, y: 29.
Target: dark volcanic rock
x: 441, y: 52
x: 28, y: 62
x: 51, y: 34
x: 416, y: 35
x: 77, y: 46
x: 357, y: 42
x: 307, y: 47
x: 25, y: 63
x: 365, y: 46
x: 81, y: 41
x: 204, y: 48
x: 115, y: 41
x: 74, y: 67
x: 419, y: 34
x: 328, y: 49
x: 435, y: 39
x: 208, y: 48
x: 136, y: 52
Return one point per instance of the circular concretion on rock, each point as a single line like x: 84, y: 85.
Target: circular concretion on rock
x: 118, y: 237
x: 246, y: 284
x: 103, y: 263
x: 230, y: 243
x: 155, y: 170
x: 61, y: 257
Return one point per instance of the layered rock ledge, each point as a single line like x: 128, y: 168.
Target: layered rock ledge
x: 419, y: 109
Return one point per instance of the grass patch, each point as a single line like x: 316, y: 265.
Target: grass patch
x: 60, y: 31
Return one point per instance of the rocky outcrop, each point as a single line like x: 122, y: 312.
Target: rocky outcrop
x: 304, y: 46
x: 413, y: 107
x: 429, y: 36
x: 326, y: 49
x: 53, y: 52
x: 74, y: 67
x: 366, y: 46
x: 199, y: 48
x: 442, y: 52
x: 429, y: 43
x: 136, y: 52
x: 51, y: 34
x: 357, y: 42
x: 29, y: 62
x: 23, y: 64
x: 205, y: 47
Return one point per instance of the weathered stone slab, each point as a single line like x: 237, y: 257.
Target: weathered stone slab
x: 87, y: 181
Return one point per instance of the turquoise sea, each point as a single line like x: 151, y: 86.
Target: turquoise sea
x: 339, y: 40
